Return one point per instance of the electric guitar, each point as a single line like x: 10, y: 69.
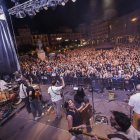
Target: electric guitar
x: 79, y: 131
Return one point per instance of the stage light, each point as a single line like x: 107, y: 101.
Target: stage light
x: 45, y: 8
x: 37, y: 10
x: 20, y: 14
x: 30, y: 7
x: 36, y: 6
x: 63, y: 3
x: 31, y: 13
x: 73, y: 0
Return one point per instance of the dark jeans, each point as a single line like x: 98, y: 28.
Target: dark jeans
x: 36, y: 107
x: 27, y: 104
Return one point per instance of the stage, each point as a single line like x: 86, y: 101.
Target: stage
x: 23, y: 127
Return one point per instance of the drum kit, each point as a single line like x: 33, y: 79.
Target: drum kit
x: 7, y: 99
x: 8, y: 93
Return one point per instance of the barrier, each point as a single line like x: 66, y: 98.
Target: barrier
x: 97, y: 83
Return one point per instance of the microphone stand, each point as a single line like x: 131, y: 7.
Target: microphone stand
x: 93, y: 105
x: 95, y: 116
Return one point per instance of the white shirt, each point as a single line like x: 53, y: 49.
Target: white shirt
x: 2, y: 85
x: 127, y: 136
x: 133, y: 133
x: 55, y: 93
x: 22, y: 91
x: 134, y: 101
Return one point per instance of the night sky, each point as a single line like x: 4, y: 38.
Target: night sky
x: 73, y: 14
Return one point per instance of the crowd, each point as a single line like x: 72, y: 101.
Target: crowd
x: 118, y: 65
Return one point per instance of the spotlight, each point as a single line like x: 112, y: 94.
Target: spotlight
x: 20, y: 14
x: 36, y: 6
x: 63, y: 3
x: 31, y: 7
x: 45, y: 8
x: 37, y: 10
x: 53, y: 3
x: 31, y: 13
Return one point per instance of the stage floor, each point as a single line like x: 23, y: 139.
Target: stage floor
x: 23, y: 127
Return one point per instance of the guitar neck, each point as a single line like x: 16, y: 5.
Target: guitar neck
x: 78, y: 131
x: 91, y: 135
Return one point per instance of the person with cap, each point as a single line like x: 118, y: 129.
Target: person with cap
x: 56, y: 98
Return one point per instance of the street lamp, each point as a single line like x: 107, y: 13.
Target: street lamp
x: 59, y: 39
x: 134, y: 22
x: 134, y: 19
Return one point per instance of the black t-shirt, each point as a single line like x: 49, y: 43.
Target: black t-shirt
x: 77, y: 119
x: 32, y: 96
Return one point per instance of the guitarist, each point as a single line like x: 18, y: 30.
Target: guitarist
x: 82, y: 104
x: 134, y: 103
x: 74, y: 119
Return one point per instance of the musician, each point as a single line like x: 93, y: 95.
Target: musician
x: 121, y: 123
x: 74, y: 119
x: 39, y: 95
x: 81, y: 103
x: 134, y: 103
x: 55, y: 93
x: 79, y: 97
x: 87, y: 114
x: 23, y: 95
x: 34, y: 102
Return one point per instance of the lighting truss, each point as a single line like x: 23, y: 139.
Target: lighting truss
x: 31, y: 7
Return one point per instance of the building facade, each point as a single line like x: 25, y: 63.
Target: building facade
x: 125, y: 29
x: 99, y: 32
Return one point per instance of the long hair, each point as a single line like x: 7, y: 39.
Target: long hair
x: 122, y: 120
x: 66, y: 105
x: 79, y: 96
